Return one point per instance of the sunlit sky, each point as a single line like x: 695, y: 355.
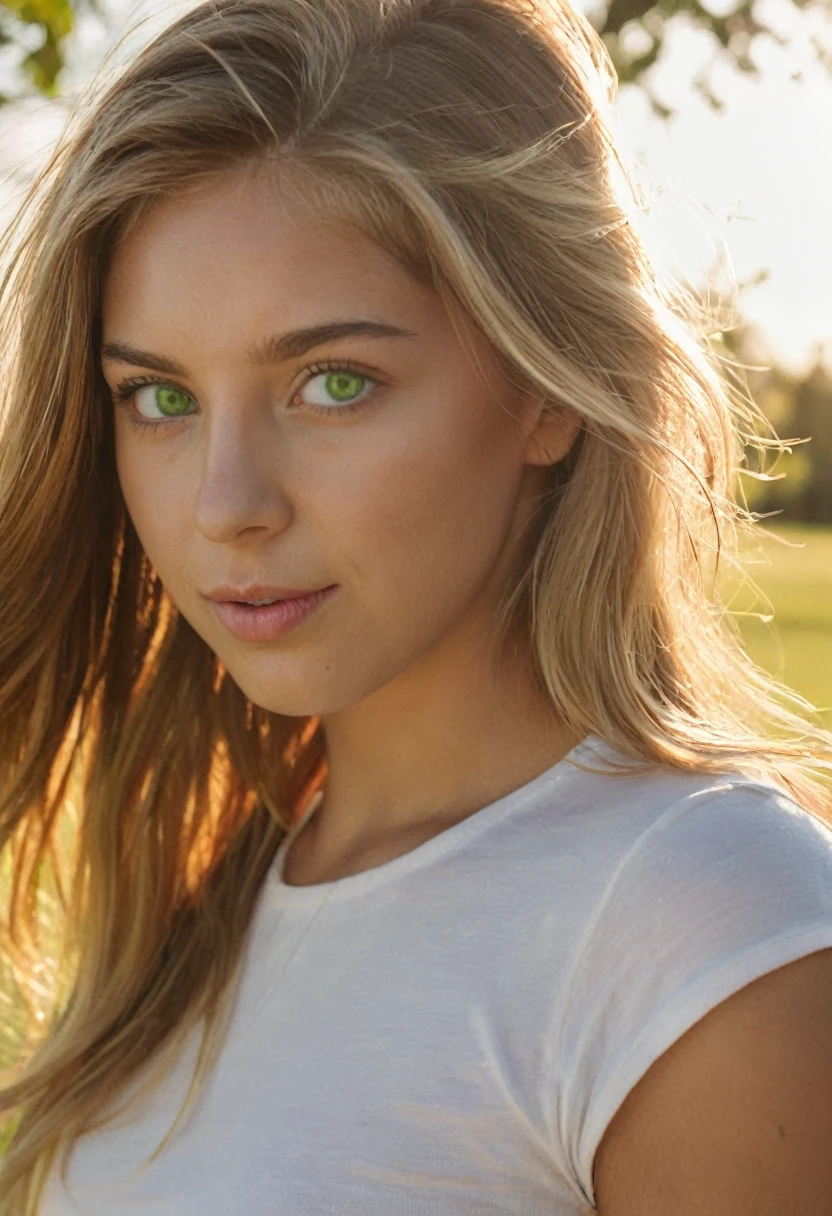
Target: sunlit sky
x: 748, y: 190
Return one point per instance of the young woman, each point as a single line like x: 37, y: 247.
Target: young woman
x: 426, y: 841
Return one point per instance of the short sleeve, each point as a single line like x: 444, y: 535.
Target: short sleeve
x: 723, y: 887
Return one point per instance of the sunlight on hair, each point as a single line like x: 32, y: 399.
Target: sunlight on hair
x: 136, y: 773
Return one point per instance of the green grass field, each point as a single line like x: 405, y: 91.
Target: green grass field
x: 796, y: 579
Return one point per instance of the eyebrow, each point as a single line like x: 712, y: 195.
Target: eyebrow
x: 276, y: 349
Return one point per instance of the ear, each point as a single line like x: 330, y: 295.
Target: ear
x: 553, y: 430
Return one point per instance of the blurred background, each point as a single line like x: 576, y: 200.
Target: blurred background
x: 724, y: 113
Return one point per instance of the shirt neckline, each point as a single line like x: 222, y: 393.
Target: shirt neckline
x: 430, y: 850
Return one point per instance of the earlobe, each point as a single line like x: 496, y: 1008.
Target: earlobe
x: 553, y: 435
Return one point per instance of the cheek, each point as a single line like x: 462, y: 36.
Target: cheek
x: 156, y: 501
x: 428, y: 511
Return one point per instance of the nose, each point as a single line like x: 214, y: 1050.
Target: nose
x: 240, y: 488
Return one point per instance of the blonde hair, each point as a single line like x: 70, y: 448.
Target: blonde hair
x: 471, y: 138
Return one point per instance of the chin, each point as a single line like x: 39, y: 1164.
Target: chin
x: 287, y: 701
x: 288, y: 697
x: 294, y: 697
x: 287, y: 707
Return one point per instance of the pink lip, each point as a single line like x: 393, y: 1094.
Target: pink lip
x: 258, y: 591
x: 271, y: 621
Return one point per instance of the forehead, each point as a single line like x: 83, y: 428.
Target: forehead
x: 248, y: 234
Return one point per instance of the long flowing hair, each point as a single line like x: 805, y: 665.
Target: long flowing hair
x: 472, y: 139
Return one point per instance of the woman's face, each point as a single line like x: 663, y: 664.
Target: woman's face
x: 394, y: 472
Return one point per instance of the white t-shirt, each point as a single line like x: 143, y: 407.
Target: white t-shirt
x: 450, y: 1033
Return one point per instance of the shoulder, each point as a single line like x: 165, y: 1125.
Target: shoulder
x: 715, y: 872
x: 735, y: 1117
x: 732, y: 838
x: 686, y: 820
x: 721, y: 896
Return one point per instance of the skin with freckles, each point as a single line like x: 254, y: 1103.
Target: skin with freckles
x: 415, y: 503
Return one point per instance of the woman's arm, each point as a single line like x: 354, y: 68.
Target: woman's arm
x: 735, y: 1119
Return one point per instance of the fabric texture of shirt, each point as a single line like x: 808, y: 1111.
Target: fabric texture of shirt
x: 450, y: 1033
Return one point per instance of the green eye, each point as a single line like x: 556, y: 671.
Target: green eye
x: 336, y: 387
x: 343, y: 385
x: 171, y: 401
x: 162, y: 400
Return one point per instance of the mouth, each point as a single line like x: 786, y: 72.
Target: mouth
x: 266, y: 619
x: 260, y: 594
x: 278, y: 599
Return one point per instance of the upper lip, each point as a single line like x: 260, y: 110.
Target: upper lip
x: 259, y: 591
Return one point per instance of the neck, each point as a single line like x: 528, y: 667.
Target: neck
x: 432, y: 747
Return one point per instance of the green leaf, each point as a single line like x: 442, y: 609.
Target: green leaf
x: 43, y: 66
x: 56, y: 16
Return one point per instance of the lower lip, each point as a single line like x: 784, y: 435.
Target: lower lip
x: 271, y: 621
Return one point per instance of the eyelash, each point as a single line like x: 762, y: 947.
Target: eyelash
x: 126, y: 389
